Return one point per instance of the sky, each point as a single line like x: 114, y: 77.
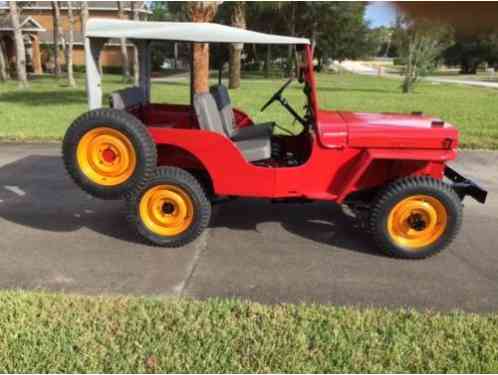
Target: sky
x: 380, y: 13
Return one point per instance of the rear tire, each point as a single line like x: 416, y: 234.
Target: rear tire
x: 171, y: 209
x: 109, y: 153
x: 415, y: 217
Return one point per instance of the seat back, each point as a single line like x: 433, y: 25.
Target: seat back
x: 126, y: 98
x: 222, y: 98
x: 207, y: 113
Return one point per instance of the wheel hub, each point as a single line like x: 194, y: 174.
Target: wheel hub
x: 106, y: 156
x: 109, y: 155
x: 166, y: 210
x: 417, y: 221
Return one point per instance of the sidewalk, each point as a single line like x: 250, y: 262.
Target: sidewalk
x: 356, y: 67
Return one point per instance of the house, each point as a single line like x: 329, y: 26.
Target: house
x: 36, y: 20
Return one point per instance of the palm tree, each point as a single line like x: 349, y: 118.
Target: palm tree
x: 57, y: 36
x: 22, y: 76
x: 69, y: 45
x: 135, y: 16
x: 4, y: 74
x: 83, y: 16
x: 201, y: 11
x: 237, y: 19
x: 124, y: 48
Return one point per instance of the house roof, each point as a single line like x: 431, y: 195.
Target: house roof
x: 92, y: 5
x: 27, y: 24
x: 199, y: 32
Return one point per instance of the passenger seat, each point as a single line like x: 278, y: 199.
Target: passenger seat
x: 222, y: 98
x: 208, y: 116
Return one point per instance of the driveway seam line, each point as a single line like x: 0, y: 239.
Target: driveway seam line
x: 200, y: 247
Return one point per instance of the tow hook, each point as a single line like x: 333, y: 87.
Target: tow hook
x: 463, y: 186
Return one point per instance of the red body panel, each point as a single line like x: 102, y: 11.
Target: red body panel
x: 347, y: 151
x: 388, y: 130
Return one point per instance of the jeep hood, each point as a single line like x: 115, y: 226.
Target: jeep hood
x: 394, y: 130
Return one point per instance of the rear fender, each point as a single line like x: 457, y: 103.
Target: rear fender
x: 229, y: 171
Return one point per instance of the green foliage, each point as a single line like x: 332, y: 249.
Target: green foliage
x: 41, y: 332
x: 380, y: 42
x: 339, y: 29
x: 421, y: 44
x: 469, y: 52
x: 163, y: 11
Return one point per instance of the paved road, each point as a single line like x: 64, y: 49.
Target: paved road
x: 53, y: 236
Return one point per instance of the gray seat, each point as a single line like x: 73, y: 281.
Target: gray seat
x: 222, y: 98
x: 126, y: 98
x: 209, y: 118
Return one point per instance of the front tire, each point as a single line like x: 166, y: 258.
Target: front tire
x: 171, y: 209
x: 415, y: 217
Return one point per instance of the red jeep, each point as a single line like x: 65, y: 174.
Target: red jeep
x: 172, y: 162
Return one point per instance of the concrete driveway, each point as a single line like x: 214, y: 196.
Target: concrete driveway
x: 53, y: 236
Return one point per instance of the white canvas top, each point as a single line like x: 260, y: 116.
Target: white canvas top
x: 182, y: 31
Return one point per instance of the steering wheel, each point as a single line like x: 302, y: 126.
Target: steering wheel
x: 277, y: 95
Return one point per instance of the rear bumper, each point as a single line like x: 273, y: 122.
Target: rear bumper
x: 464, y: 186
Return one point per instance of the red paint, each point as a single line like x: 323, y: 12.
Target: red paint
x: 346, y: 151
x: 109, y: 155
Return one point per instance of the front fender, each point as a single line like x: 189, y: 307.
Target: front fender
x: 368, y: 156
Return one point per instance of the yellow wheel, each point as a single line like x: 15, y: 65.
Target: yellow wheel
x: 166, y: 210
x: 415, y: 217
x: 417, y: 221
x: 106, y: 156
x: 171, y: 210
x: 109, y: 153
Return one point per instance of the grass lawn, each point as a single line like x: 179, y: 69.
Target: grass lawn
x: 45, y: 110
x: 66, y: 333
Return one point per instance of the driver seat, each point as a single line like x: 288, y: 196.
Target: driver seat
x: 222, y: 98
x: 209, y: 118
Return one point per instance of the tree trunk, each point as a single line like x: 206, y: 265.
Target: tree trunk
x: 291, y: 48
x: 69, y: 45
x: 57, y: 37
x: 388, y: 46
x: 268, y: 61
x: 201, y: 67
x: 84, y: 16
x: 4, y: 73
x: 135, y: 15
x: 238, y: 19
x: 22, y: 77
x: 234, y: 67
x: 175, y: 53
x: 201, y: 11
x: 408, y: 80
x: 124, y: 49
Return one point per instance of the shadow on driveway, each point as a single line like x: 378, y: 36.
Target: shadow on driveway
x: 52, y: 202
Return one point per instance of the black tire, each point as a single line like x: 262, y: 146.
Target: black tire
x: 132, y: 129
x: 175, y: 177
x: 394, y: 193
